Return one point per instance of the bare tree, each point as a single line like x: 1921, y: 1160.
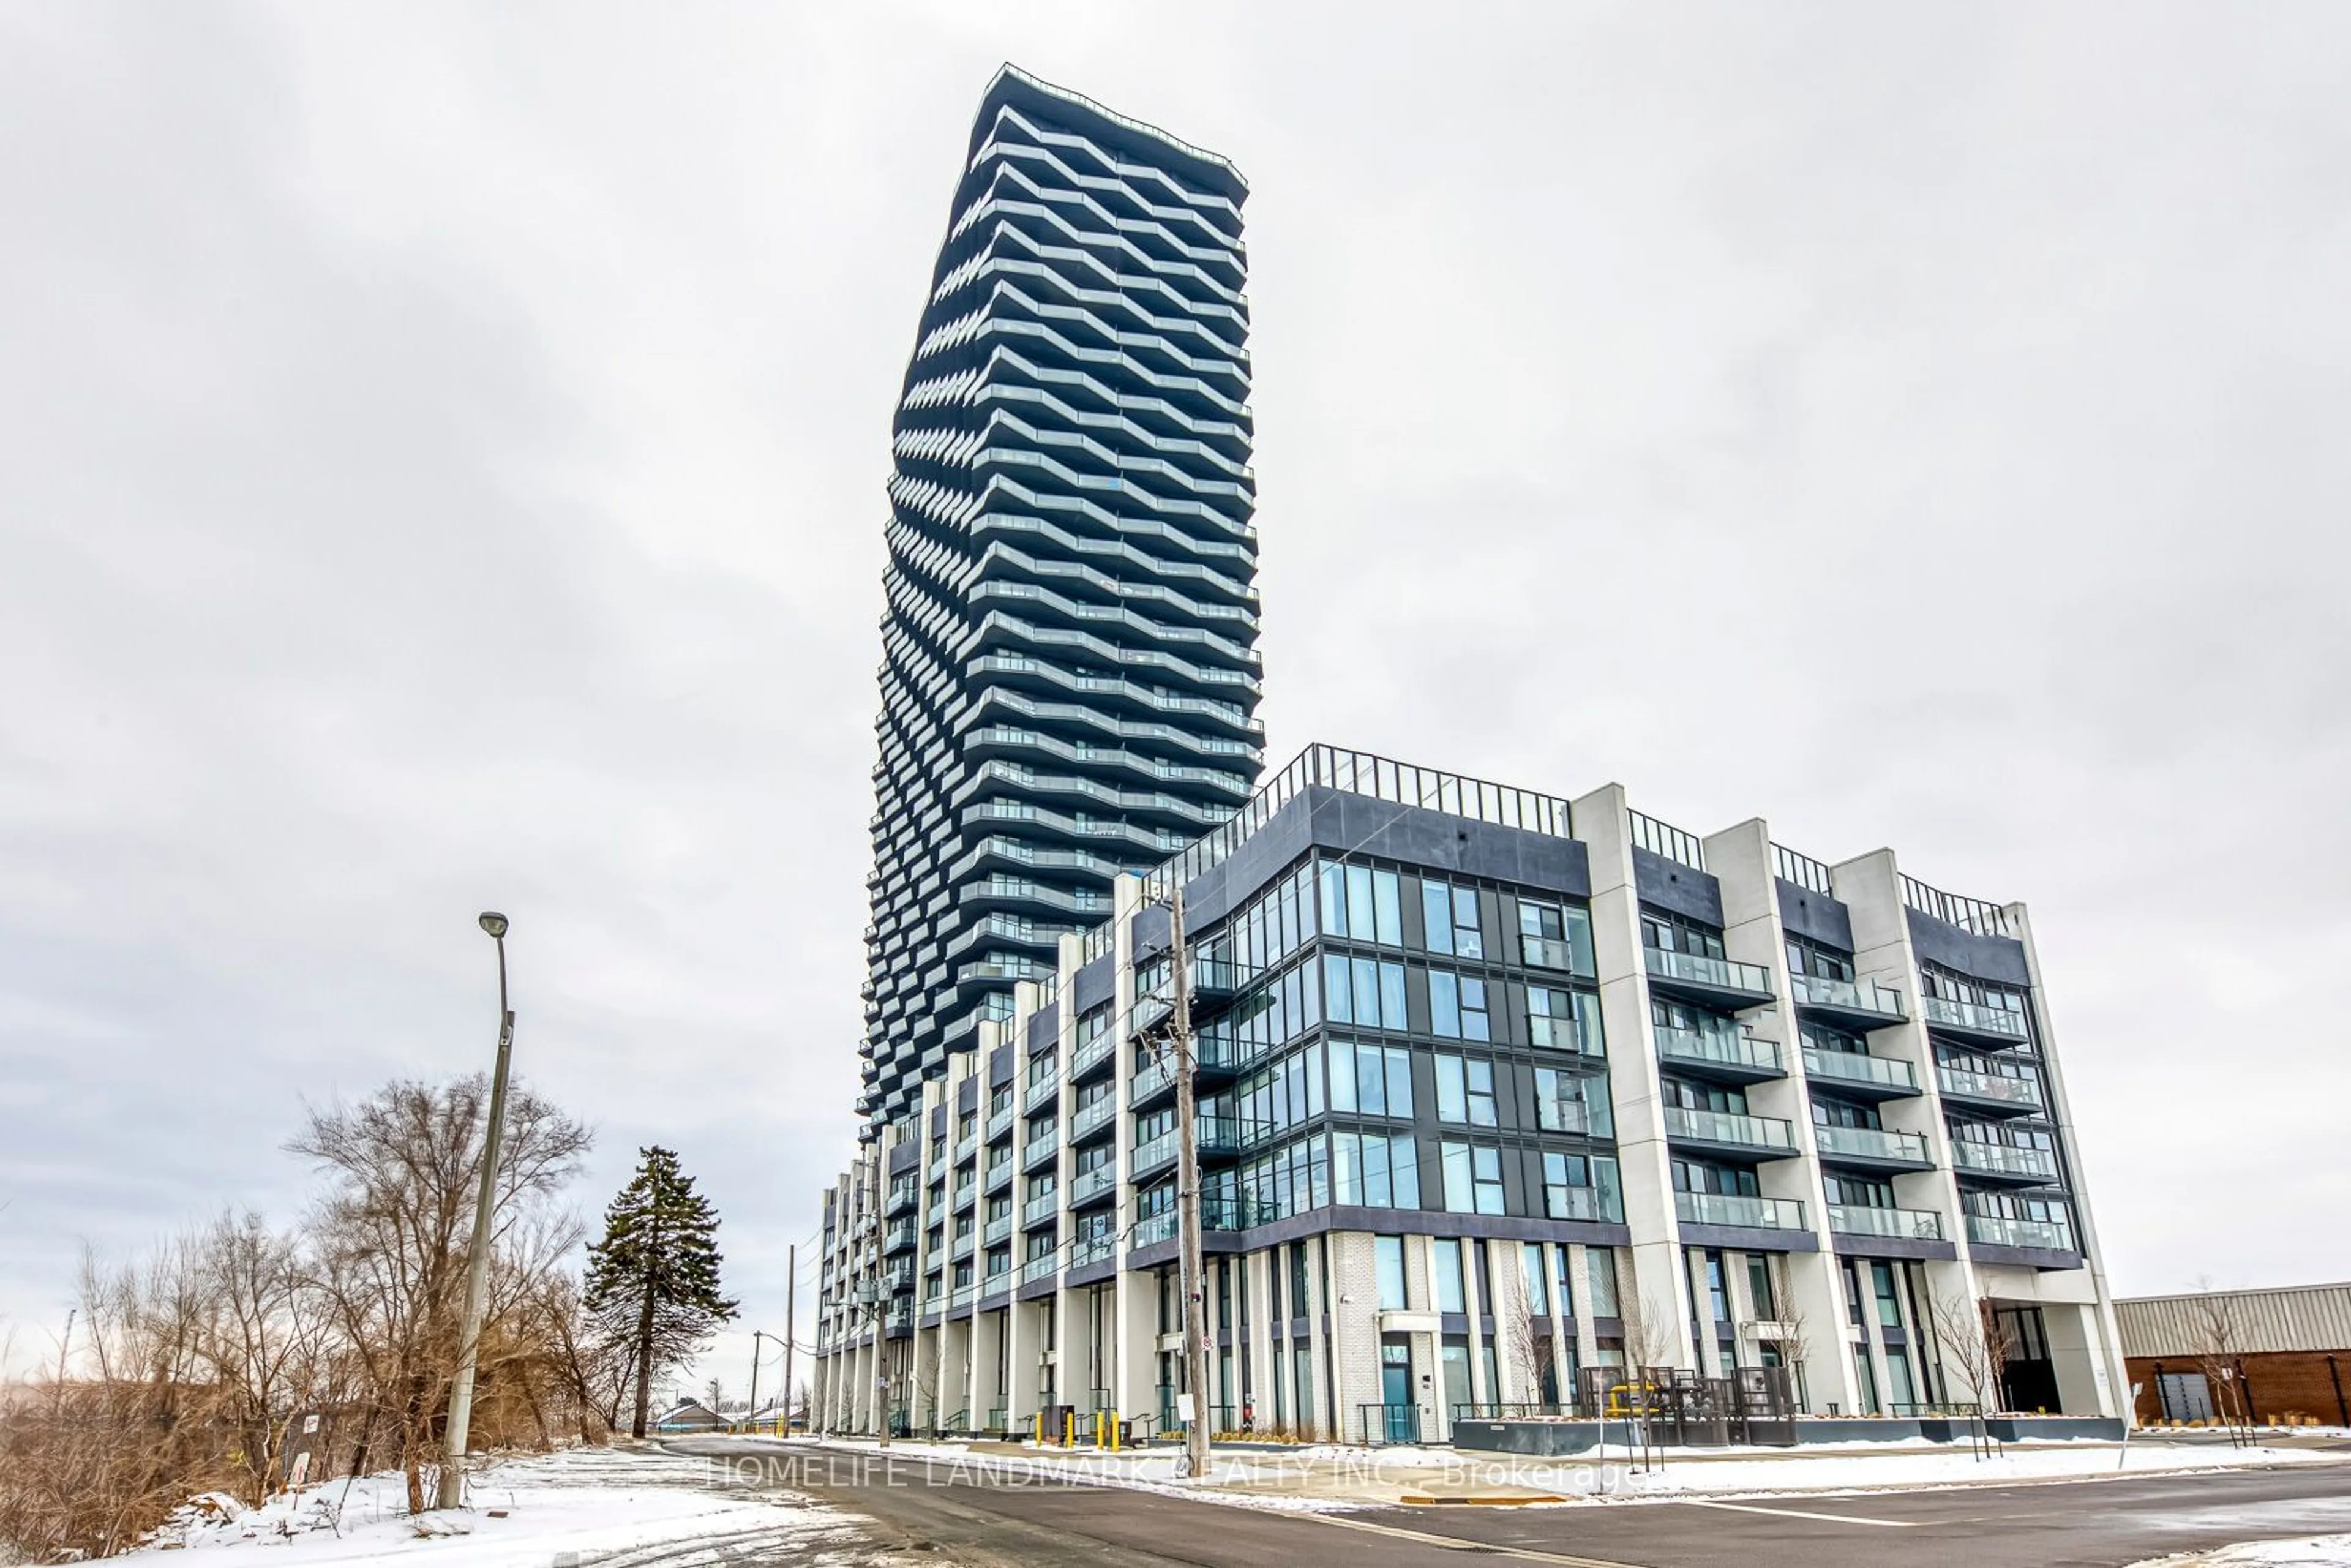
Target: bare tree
x: 1796, y: 1325
x: 1974, y: 1344
x: 2217, y: 1338
x: 391, y: 1235
x: 1523, y: 1334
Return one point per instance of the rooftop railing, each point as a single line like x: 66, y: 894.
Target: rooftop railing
x: 1664, y: 839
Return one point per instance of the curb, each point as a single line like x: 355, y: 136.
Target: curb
x: 1416, y: 1500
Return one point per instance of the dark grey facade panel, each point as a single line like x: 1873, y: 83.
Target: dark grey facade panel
x: 1749, y: 1238
x: 1096, y: 983
x: 999, y: 1066
x: 1893, y: 1247
x: 1814, y: 914
x: 1999, y: 960
x: 1676, y: 888
x: 1044, y: 1027
x: 906, y: 1156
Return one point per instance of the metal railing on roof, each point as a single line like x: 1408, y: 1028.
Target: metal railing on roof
x: 1974, y: 914
x: 1802, y: 870
x: 1664, y: 839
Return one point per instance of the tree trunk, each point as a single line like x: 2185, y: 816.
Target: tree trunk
x: 644, y: 1362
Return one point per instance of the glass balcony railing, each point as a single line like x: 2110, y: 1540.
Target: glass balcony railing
x: 1093, y: 1183
x: 1087, y: 1119
x: 1000, y: 1170
x: 1602, y: 1203
x: 1974, y: 1017
x: 1555, y: 953
x: 1160, y: 1226
x: 1904, y: 1224
x: 1158, y: 1152
x: 1731, y: 1128
x: 1043, y: 1206
x: 1041, y: 1148
x: 1718, y: 974
x: 1093, y: 1053
x: 965, y: 1147
x: 1038, y: 1269
x: 1718, y: 1048
x: 1997, y: 1230
x: 1865, y: 997
x: 997, y: 1229
x: 901, y: 1238
x: 1726, y: 1208
x: 999, y: 1124
x: 1093, y: 1249
x: 2003, y: 1159
x: 2024, y: 1093
x: 1871, y: 1143
x: 1849, y: 1067
x: 1149, y: 1080
x: 1040, y: 1092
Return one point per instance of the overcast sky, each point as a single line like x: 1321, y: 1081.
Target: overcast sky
x: 441, y: 465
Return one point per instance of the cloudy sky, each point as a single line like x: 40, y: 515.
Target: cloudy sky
x: 441, y: 463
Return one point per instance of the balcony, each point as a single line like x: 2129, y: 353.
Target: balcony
x: 1752, y: 1213
x: 1862, y: 1005
x: 1040, y: 1093
x: 1598, y: 1203
x: 1892, y: 1224
x: 1995, y: 1230
x: 900, y: 1320
x: 1863, y: 1077
x: 1993, y: 1093
x: 999, y: 1174
x: 966, y: 1195
x: 1715, y: 982
x: 1554, y: 953
x: 1093, y: 1249
x: 902, y: 1198
x: 1041, y: 1210
x: 1040, y: 1149
x: 1151, y: 1157
x: 967, y: 1148
x: 1088, y: 1120
x: 959, y: 1299
x: 1974, y: 1021
x: 1872, y: 1148
x: 901, y: 1238
x: 1724, y: 1055
x: 1038, y: 1269
x: 998, y: 1229
x: 1092, y: 1057
x: 2003, y: 1162
x: 1000, y: 1123
x: 898, y: 1276
x: 1728, y: 1132
x: 1088, y: 1188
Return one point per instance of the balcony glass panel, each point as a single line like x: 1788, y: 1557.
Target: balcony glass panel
x: 1088, y: 1118
x: 1994, y: 1230
x: 2003, y: 1159
x: 1845, y: 1067
x: 1871, y: 1143
x: 1038, y: 1269
x: 1553, y: 953
x: 1907, y: 1224
x: 2023, y: 1093
x: 1853, y: 995
x: 1974, y: 1016
x: 1040, y: 1146
x: 1086, y: 1184
x: 1724, y: 1209
x: 1729, y: 1127
x: 1043, y: 1206
x: 1721, y: 1048
x: 1728, y: 973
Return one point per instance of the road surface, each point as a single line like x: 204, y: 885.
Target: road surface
x: 933, y: 1506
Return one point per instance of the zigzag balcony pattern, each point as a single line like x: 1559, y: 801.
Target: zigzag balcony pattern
x: 1070, y: 676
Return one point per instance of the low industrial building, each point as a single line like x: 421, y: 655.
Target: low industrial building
x: 1496, y: 1088
x: 2271, y: 1355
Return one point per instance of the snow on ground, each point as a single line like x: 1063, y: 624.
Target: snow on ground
x: 2309, y: 1551
x: 1328, y: 1477
x: 571, y: 1509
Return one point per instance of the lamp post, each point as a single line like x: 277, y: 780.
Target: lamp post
x: 477, y: 1264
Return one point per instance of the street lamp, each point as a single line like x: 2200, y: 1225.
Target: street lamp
x: 477, y: 1262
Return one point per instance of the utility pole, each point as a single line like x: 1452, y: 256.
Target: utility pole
x: 757, y: 1336
x: 477, y: 1266
x: 1187, y: 1193
x: 791, y: 1327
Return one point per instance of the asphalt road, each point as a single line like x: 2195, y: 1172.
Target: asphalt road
x: 2092, y: 1524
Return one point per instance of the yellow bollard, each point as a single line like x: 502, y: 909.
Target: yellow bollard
x: 1069, y: 1428
x: 1040, y: 1429
x: 1113, y: 1431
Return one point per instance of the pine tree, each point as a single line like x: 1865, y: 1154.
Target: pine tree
x: 655, y: 1273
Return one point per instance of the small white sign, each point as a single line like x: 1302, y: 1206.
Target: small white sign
x: 1183, y: 1409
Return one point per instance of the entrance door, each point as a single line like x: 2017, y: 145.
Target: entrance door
x: 2184, y: 1395
x: 1399, y: 1415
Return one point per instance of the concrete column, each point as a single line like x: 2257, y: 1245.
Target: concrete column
x: 1656, y: 1282
x: 1355, y: 1325
x: 1320, y: 1413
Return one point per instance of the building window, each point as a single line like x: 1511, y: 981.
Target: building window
x: 1456, y: 1005
x: 1572, y: 1103
x: 1465, y: 1090
x: 1759, y: 1288
x: 1576, y: 1186
x: 1365, y: 991
x: 1375, y: 1170
x: 1363, y: 902
x: 1600, y: 1269
x: 1473, y: 1178
x: 1371, y: 1080
x: 1564, y: 1020
x: 1450, y: 1296
x: 1538, y: 1278
x: 1387, y: 1255
x: 1450, y: 915
x: 1556, y: 936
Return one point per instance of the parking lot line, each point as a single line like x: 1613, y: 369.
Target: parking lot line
x: 1800, y: 1513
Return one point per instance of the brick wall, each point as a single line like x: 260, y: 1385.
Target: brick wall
x: 2279, y: 1383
